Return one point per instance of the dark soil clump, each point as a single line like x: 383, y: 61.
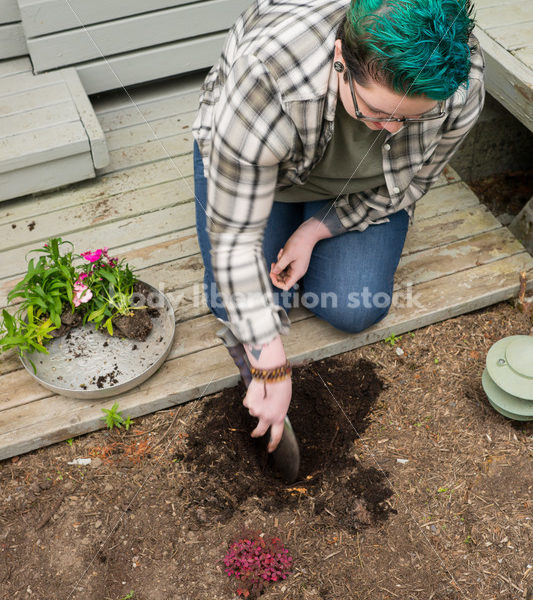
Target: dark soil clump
x: 69, y: 320
x: 107, y: 379
x: 144, y: 296
x: 135, y: 327
x: 138, y: 325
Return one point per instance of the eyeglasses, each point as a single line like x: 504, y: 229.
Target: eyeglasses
x: 363, y: 117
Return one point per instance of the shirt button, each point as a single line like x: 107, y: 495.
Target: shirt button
x: 387, y: 147
x: 396, y: 190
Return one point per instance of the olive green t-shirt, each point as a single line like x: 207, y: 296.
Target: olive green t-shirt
x: 352, y: 162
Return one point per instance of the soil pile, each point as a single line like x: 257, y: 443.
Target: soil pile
x: 231, y: 466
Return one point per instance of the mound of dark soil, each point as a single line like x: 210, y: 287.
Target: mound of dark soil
x: 135, y: 326
x: 231, y: 466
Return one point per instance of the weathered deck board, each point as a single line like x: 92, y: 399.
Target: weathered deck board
x: 150, y: 131
x: 56, y: 18
x: 133, y: 180
x: 47, y: 144
x: 35, y: 99
x: 125, y: 107
x: 21, y: 122
x: 12, y: 41
x: 9, y: 11
x: 14, y: 66
x: 51, y: 174
x: 149, y: 152
x: 505, y: 32
x: 150, y: 64
x: 145, y: 226
x: 493, y: 14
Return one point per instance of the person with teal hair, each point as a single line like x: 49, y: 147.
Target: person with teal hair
x: 319, y: 128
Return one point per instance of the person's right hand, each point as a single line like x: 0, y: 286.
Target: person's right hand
x: 269, y: 402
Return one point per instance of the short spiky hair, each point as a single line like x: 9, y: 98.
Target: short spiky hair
x: 412, y: 46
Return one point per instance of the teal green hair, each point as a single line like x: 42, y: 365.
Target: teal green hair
x: 413, y: 46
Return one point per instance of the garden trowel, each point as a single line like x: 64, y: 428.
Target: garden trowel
x: 286, y: 456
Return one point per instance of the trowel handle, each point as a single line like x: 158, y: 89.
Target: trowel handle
x: 237, y: 352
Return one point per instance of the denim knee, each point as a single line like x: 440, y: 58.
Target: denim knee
x: 351, y: 319
x: 356, y: 320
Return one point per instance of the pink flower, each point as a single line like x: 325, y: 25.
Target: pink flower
x: 81, y: 277
x: 82, y: 294
x: 93, y: 256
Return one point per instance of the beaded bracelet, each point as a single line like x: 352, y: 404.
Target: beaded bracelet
x: 271, y: 375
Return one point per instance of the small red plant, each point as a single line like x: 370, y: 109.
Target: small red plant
x: 256, y: 561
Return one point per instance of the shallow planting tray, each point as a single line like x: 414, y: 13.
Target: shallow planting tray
x: 89, y: 363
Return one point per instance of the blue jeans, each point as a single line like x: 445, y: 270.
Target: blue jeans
x: 350, y: 277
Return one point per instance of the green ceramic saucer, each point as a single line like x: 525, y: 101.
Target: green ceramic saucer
x: 506, y: 404
x: 510, y: 365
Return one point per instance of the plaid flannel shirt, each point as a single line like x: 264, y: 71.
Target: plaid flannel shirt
x: 266, y: 115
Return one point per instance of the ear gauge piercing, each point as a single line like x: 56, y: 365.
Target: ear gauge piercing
x: 338, y: 66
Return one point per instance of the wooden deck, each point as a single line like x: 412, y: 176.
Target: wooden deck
x: 505, y: 31
x: 457, y: 258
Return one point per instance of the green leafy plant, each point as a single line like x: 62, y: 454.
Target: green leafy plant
x: 26, y: 335
x: 49, y: 283
x: 392, y: 339
x: 42, y: 295
x: 113, y: 417
x: 111, y: 284
x: 99, y: 289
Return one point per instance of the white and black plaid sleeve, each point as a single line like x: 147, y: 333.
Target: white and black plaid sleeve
x: 251, y: 135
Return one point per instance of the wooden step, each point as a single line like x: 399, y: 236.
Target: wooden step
x: 49, y: 133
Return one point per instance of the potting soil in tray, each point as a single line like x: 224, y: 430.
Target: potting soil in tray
x: 89, y: 363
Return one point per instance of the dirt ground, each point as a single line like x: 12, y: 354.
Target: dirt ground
x: 411, y: 487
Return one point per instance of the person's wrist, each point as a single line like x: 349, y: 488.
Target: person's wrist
x: 314, y: 230
x: 268, y: 356
x: 272, y: 375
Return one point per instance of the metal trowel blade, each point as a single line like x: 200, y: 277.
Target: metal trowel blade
x: 286, y: 456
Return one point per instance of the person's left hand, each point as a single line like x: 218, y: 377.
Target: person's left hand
x: 293, y: 259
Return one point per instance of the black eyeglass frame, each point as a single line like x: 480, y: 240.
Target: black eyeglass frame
x: 360, y: 115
